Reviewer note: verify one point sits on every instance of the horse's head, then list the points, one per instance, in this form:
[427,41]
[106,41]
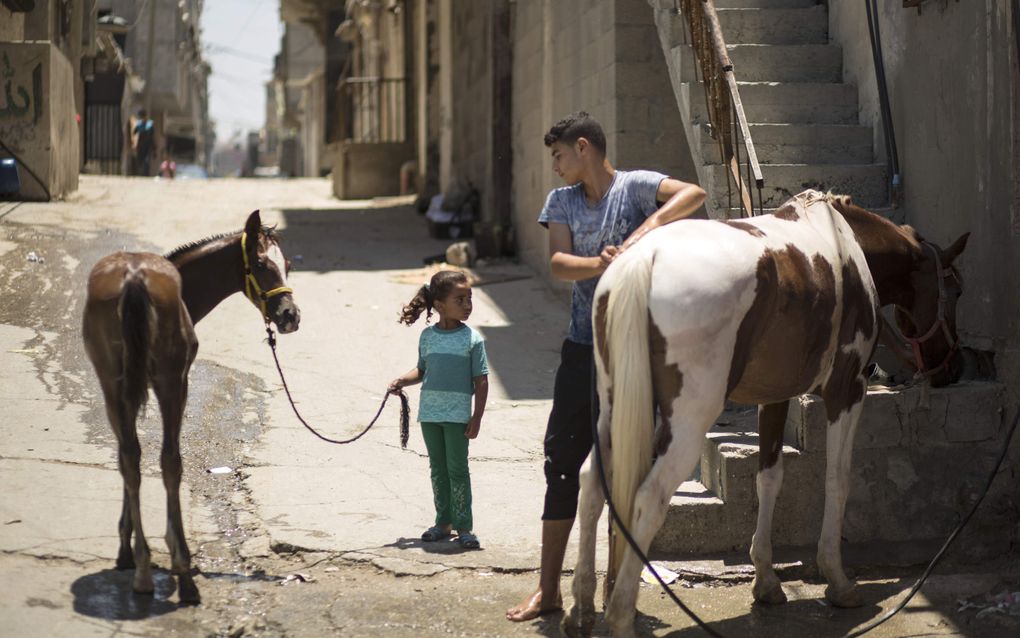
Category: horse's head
[927,316]
[266,271]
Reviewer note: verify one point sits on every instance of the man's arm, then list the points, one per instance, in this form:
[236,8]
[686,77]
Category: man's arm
[681,199]
[567,266]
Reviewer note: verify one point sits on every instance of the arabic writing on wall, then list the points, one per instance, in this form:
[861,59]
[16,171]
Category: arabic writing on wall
[21,106]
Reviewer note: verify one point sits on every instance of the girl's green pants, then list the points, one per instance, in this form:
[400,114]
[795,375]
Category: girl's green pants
[451,483]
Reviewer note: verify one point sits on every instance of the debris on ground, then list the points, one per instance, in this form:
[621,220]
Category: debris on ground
[35,257]
[223,469]
[297,578]
[668,576]
[1006,602]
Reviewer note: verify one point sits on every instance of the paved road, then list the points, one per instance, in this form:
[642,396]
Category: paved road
[348,517]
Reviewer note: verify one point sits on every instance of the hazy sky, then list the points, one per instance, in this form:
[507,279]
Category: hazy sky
[239,38]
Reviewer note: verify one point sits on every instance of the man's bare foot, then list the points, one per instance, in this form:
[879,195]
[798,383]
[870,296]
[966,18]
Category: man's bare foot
[532,607]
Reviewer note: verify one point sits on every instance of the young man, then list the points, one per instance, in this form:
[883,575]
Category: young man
[599,214]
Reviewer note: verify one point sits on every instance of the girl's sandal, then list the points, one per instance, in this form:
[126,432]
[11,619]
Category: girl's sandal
[435,533]
[468,541]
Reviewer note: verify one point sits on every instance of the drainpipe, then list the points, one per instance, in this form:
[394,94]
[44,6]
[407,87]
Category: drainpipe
[883,97]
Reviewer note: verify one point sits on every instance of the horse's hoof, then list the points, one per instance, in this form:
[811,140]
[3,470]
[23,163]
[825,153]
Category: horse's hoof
[847,599]
[771,596]
[143,584]
[188,591]
[125,562]
[574,629]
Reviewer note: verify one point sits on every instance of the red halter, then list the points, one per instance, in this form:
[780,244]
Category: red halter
[940,322]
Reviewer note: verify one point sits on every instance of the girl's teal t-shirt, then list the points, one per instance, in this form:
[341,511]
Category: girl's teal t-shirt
[449,361]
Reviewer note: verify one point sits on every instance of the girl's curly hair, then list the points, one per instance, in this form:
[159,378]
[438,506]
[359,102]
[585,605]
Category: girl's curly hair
[436,290]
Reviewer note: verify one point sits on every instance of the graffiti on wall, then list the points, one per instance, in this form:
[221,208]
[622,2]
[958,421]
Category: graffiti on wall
[21,102]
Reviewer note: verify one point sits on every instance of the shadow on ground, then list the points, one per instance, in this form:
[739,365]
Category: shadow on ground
[107,595]
[383,238]
[396,238]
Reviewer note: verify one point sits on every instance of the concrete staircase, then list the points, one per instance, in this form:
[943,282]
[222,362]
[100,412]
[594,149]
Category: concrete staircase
[804,123]
[803,117]
[898,488]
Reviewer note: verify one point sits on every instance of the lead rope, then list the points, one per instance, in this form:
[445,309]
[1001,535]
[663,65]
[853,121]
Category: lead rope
[405,410]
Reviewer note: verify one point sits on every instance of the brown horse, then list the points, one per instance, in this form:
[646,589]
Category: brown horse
[756,311]
[138,330]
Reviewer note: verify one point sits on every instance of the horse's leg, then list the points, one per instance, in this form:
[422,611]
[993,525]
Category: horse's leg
[650,504]
[172,392]
[838,449]
[125,559]
[129,460]
[581,617]
[771,419]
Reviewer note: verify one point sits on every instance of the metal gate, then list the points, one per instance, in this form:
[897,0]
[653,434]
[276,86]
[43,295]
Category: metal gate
[104,139]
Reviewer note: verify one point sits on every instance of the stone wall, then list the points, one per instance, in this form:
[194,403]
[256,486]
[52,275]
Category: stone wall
[38,123]
[952,80]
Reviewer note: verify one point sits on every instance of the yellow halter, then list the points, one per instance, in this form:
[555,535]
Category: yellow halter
[252,290]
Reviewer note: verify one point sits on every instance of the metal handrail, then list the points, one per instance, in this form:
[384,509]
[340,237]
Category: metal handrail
[725,109]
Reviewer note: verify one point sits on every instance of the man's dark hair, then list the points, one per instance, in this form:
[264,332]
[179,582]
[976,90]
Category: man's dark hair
[574,127]
[142,113]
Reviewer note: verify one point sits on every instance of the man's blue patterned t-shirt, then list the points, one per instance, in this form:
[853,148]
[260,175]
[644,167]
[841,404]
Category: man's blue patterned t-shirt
[628,202]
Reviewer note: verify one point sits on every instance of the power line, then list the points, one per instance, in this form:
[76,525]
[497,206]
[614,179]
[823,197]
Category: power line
[212,47]
[251,15]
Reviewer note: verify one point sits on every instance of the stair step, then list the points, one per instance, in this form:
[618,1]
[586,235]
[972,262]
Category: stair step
[808,25]
[743,4]
[963,412]
[789,103]
[764,4]
[866,183]
[800,144]
[773,62]
[728,459]
[697,521]
[787,62]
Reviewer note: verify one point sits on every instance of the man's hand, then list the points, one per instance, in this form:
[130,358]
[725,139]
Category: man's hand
[473,426]
[609,253]
[395,386]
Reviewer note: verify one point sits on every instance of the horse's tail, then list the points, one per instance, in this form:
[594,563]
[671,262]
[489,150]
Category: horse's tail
[135,312]
[630,377]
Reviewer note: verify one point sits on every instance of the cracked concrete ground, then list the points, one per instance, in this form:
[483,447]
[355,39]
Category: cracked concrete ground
[344,518]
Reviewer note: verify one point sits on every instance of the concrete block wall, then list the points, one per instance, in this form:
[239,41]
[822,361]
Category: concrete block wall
[600,56]
[917,469]
[953,87]
[39,126]
[12,25]
[472,97]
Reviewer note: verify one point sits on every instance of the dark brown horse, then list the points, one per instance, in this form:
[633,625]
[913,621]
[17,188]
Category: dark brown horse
[138,330]
[756,311]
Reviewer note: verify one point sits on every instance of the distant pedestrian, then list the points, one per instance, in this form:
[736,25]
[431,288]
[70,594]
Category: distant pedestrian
[452,367]
[142,140]
[168,168]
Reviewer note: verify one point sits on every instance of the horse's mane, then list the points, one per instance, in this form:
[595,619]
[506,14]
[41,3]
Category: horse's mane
[183,249]
[845,206]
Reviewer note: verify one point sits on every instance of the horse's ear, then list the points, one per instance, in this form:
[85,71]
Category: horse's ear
[954,251]
[253,225]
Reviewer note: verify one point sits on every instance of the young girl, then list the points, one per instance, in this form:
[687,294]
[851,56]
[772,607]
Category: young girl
[452,367]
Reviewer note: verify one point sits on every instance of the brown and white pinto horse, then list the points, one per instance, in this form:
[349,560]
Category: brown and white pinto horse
[758,311]
[138,330]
